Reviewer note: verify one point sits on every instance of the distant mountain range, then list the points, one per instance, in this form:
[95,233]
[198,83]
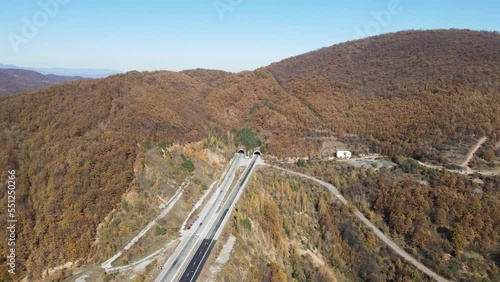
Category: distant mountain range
[88,73]
[14,81]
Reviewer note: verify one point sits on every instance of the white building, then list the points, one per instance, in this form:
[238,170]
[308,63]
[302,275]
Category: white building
[344,154]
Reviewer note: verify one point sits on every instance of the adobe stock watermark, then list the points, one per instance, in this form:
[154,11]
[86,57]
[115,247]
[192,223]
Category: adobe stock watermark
[32,25]
[224,6]
[380,20]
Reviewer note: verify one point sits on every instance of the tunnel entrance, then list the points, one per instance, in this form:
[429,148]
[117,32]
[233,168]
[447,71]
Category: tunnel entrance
[241,151]
[257,153]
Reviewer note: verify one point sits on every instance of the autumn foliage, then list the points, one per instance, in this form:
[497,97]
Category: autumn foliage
[74,145]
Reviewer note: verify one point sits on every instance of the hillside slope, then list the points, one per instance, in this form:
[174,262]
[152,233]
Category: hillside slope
[14,81]
[74,145]
[397,64]
[406,92]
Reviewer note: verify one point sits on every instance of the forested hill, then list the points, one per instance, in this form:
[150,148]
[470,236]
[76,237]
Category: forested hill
[405,91]
[73,147]
[400,64]
[14,81]
[74,143]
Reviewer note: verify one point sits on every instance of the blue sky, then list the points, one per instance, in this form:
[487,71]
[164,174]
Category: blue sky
[231,35]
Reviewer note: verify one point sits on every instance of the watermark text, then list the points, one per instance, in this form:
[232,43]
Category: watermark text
[11,221]
[381,19]
[222,7]
[31,26]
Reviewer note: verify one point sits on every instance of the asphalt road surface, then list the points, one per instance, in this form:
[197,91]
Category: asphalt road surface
[200,227]
[195,266]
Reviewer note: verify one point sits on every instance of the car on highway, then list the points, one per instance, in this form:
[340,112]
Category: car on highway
[197,235]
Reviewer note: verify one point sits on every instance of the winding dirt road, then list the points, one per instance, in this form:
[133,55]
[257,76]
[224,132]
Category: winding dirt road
[471,153]
[377,231]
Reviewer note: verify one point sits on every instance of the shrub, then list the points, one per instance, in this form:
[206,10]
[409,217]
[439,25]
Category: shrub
[410,166]
[301,162]
[187,163]
[165,144]
[246,224]
[147,145]
[248,138]
[160,231]
[125,206]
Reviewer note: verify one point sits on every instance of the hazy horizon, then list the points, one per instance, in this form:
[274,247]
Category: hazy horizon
[226,35]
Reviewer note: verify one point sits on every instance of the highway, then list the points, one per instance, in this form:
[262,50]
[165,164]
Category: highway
[201,226]
[201,255]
